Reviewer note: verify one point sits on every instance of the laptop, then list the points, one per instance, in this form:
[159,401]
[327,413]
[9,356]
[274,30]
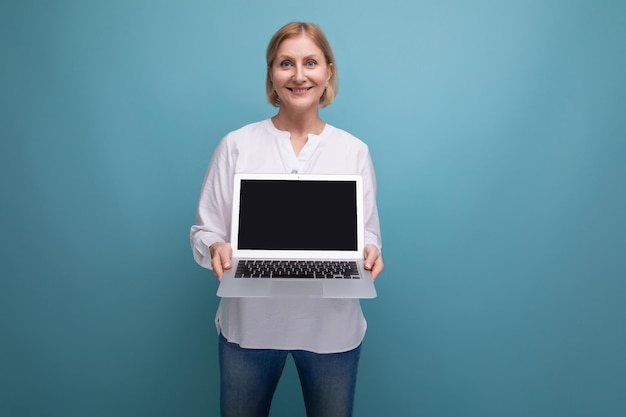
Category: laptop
[297,235]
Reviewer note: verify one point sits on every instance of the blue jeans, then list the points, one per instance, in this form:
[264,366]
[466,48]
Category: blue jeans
[249,377]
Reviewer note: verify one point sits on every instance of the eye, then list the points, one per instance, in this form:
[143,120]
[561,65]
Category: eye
[311,63]
[286,64]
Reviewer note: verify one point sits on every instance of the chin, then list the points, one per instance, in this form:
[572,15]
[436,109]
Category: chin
[300,104]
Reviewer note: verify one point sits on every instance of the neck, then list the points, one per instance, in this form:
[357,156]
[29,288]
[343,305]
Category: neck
[304,123]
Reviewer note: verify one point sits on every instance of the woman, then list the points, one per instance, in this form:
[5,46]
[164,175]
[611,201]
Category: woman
[256,334]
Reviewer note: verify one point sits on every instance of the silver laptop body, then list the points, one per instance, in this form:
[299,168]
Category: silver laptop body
[297,235]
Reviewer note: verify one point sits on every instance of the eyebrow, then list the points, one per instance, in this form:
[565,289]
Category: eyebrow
[311,56]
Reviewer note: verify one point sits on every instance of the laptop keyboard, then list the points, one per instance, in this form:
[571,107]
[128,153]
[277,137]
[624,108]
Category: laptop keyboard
[311,269]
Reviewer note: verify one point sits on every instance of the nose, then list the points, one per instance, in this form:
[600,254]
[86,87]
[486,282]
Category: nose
[299,75]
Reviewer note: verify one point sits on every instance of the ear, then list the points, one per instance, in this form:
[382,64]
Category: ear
[330,71]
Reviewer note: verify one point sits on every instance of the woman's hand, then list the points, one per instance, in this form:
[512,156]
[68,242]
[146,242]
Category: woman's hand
[373,260]
[220,258]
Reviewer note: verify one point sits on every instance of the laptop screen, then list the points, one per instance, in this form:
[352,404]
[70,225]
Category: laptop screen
[312,215]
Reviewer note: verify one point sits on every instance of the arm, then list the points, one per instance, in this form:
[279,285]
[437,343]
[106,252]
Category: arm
[212,229]
[372,251]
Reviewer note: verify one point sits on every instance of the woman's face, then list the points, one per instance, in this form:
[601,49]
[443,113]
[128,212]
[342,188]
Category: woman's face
[300,73]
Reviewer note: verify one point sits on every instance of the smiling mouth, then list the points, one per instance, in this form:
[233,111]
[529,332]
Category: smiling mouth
[299,90]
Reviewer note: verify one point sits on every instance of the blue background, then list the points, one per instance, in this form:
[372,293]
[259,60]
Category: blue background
[498,134]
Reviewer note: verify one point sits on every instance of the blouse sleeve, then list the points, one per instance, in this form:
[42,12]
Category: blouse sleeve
[370,209]
[214,208]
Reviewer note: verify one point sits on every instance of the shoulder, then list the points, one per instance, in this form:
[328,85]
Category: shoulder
[341,137]
[251,129]
[249,136]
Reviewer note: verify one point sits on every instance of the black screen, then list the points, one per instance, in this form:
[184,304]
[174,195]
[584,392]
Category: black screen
[298,215]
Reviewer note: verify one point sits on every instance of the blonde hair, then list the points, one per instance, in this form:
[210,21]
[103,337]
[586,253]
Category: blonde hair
[317,35]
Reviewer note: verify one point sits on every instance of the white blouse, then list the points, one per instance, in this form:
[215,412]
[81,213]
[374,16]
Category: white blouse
[316,325]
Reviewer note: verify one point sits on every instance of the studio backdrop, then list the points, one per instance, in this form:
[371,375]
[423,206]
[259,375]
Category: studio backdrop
[498,135]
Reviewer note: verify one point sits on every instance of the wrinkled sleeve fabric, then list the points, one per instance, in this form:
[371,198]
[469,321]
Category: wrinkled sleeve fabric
[370,208]
[215,206]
